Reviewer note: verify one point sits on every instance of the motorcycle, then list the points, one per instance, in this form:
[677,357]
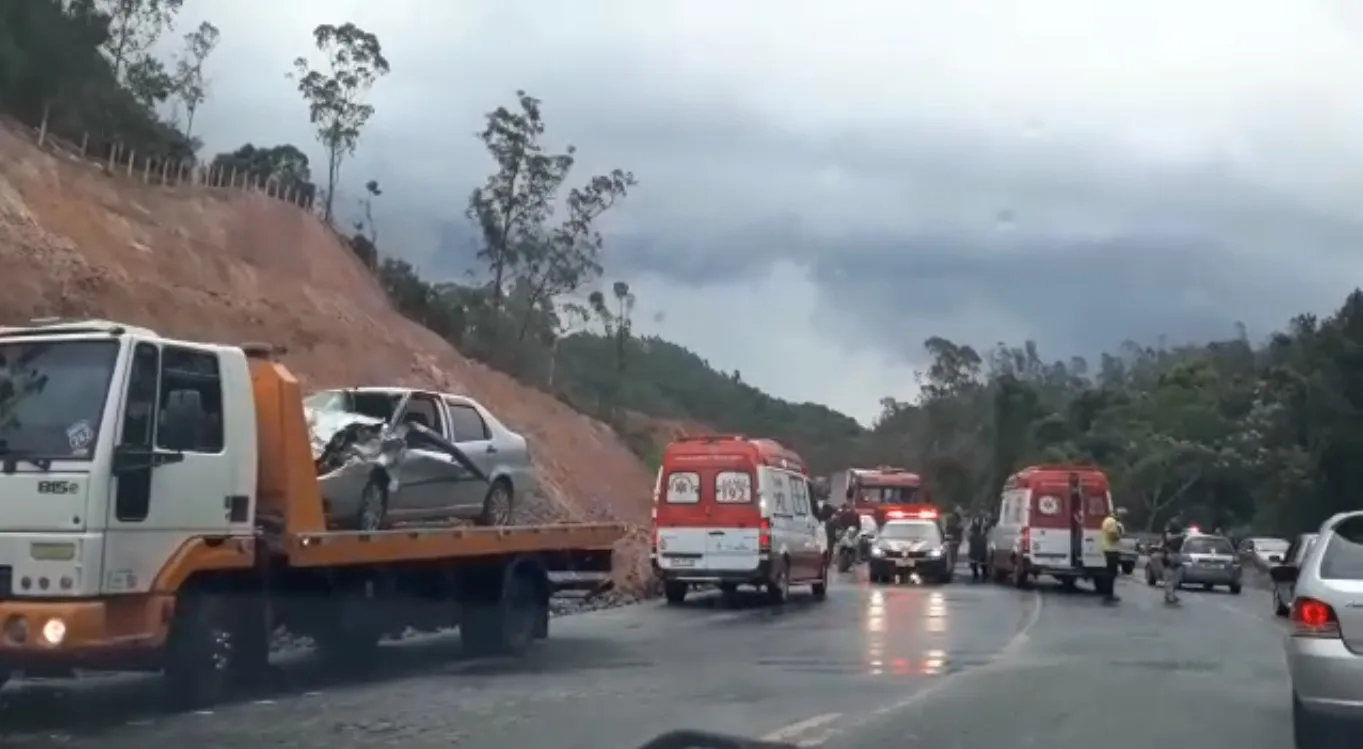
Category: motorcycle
[848,552]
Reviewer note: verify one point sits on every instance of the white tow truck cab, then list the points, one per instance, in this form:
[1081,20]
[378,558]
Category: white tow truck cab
[161,511]
[115,449]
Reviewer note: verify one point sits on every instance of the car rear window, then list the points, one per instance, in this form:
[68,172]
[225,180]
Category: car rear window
[1343,557]
[683,488]
[1204,545]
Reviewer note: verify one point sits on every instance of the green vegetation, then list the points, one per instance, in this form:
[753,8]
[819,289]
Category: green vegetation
[1225,434]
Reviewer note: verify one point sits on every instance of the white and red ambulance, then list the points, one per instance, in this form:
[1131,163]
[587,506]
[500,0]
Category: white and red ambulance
[731,510]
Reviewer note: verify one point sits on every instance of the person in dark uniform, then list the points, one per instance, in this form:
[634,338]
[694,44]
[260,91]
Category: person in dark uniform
[979,541]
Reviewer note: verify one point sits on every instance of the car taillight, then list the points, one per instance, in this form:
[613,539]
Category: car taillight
[1312,618]
[764,535]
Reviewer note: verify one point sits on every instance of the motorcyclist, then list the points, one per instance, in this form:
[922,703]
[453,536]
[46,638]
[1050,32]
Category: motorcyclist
[1171,543]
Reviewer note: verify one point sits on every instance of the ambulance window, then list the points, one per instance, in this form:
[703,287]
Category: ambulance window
[779,496]
[683,488]
[733,487]
[799,492]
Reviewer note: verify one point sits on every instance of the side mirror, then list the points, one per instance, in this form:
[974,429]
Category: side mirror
[1275,559]
[1284,573]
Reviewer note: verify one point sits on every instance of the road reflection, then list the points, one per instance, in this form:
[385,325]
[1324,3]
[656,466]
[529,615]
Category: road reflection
[905,629]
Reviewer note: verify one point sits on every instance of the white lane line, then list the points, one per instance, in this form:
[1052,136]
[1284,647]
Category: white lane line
[794,730]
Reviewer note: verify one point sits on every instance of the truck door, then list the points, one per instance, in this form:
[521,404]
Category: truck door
[173,477]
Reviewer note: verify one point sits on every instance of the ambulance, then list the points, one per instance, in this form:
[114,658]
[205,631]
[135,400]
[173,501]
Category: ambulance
[1050,518]
[730,510]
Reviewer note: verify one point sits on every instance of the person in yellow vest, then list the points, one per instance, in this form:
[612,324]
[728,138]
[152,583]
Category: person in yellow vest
[1110,542]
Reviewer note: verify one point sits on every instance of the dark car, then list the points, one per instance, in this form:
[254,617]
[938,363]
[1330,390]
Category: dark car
[1284,592]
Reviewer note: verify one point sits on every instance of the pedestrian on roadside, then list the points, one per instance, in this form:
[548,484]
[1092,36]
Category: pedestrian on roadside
[1110,542]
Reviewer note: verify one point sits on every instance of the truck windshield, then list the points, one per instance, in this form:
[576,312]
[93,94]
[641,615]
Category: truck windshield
[52,396]
[887,495]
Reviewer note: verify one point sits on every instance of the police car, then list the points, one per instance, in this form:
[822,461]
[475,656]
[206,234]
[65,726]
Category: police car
[910,548]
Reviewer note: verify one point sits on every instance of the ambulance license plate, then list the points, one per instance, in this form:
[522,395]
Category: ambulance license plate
[681,562]
[906,563]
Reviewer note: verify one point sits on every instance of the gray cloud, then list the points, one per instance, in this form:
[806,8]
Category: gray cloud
[864,177]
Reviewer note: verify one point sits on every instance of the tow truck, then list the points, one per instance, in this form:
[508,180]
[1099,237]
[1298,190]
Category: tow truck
[161,512]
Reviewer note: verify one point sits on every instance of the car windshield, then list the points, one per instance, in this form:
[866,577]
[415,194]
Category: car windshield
[1207,545]
[911,532]
[52,396]
[327,400]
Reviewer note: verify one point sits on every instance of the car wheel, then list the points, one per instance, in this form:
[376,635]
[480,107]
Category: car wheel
[675,592]
[778,589]
[498,504]
[1280,608]
[372,514]
[1235,589]
[1128,568]
[1019,574]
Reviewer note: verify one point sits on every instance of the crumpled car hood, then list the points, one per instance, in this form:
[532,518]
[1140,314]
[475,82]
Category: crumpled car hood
[324,425]
[340,438]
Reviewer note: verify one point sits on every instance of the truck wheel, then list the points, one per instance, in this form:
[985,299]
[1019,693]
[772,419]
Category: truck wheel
[498,504]
[675,592]
[1235,589]
[505,626]
[199,652]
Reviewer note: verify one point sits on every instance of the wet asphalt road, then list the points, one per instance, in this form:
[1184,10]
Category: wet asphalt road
[957,666]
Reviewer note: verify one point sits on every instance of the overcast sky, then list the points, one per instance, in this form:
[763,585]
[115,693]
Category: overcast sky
[825,184]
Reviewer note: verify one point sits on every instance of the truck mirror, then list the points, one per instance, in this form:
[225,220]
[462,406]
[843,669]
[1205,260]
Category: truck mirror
[131,459]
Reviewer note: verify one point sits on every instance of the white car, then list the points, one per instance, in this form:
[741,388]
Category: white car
[399,454]
[1325,640]
[1261,551]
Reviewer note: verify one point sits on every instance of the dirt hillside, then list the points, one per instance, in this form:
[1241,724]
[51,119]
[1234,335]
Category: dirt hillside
[235,266]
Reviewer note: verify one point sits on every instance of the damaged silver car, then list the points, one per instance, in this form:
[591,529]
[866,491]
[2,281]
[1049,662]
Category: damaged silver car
[389,455]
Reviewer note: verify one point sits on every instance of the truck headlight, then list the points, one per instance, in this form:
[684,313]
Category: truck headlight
[54,631]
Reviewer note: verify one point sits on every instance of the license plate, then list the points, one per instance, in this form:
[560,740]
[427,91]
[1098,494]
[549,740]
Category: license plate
[681,562]
[906,563]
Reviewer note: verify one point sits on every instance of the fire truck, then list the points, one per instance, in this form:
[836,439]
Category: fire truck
[883,493]
[162,512]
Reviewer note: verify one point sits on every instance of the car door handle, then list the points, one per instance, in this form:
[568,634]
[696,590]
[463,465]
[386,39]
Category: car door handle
[491,449]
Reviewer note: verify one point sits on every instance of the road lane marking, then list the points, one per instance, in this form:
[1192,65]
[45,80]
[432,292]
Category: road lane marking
[794,730]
